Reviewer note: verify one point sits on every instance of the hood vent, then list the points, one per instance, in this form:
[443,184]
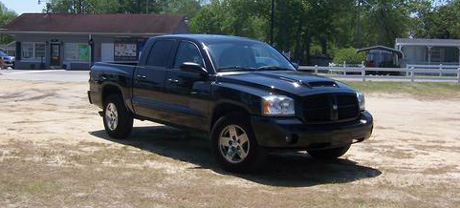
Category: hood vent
[323,84]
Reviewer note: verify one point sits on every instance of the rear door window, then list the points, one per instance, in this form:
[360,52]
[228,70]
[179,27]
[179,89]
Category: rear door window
[159,55]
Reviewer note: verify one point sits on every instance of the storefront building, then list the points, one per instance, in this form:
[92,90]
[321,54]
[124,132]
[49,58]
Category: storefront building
[76,41]
[429,51]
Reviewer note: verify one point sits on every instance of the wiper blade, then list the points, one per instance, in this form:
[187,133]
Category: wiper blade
[237,68]
[272,68]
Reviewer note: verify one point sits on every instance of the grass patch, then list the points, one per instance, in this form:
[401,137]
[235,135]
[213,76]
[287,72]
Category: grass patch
[431,90]
[38,187]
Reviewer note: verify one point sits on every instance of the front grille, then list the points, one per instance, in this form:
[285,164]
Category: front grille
[329,108]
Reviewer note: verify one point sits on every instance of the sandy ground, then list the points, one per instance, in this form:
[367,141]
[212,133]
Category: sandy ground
[54,153]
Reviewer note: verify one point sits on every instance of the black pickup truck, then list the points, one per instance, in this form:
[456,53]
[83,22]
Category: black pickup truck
[243,93]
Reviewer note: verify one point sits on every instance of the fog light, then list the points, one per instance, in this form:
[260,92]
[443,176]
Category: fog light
[291,139]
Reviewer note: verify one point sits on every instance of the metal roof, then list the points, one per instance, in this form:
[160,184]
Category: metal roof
[400,53]
[42,23]
[428,42]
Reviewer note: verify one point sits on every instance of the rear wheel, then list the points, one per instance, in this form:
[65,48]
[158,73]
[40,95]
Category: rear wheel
[234,145]
[329,154]
[118,122]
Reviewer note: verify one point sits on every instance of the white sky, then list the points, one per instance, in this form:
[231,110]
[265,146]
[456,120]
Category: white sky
[24,6]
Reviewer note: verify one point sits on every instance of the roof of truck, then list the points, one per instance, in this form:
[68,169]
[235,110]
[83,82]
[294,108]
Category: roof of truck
[209,37]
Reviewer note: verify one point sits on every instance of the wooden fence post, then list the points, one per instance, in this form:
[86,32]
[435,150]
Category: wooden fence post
[412,74]
[363,73]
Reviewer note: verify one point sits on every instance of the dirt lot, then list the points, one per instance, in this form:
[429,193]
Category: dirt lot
[53,152]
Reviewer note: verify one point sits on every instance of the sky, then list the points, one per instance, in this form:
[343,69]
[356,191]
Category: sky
[24,6]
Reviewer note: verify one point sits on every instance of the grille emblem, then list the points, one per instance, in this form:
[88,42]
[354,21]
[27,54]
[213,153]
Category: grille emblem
[334,108]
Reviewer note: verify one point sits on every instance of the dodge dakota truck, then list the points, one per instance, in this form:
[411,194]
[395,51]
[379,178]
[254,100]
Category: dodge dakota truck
[246,96]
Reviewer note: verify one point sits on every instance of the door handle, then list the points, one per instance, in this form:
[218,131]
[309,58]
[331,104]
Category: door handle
[175,81]
[140,76]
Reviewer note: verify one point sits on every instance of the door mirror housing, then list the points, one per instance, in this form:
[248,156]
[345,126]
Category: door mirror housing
[193,68]
[296,66]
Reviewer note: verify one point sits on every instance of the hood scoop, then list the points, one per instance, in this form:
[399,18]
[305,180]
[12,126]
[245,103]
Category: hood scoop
[322,84]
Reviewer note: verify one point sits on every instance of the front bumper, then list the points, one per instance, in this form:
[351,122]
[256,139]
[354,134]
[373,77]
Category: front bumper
[292,133]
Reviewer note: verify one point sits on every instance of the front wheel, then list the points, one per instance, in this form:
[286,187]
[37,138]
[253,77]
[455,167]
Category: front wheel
[234,144]
[329,154]
[118,122]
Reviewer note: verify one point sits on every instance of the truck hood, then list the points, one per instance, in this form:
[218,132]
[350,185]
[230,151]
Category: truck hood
[295,83]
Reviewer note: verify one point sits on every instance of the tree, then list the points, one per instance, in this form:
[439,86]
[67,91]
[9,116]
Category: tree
[188,8]
[84,6]
[235,17]
[185,7]
[6,16]
[435,22]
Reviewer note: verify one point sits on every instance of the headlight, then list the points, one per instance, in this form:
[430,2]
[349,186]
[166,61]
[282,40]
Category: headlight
[361,101]
[278,105]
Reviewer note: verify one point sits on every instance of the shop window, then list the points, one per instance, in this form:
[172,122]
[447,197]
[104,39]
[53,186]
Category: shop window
[125,51]
[76,52]
[40,50]
[33,51]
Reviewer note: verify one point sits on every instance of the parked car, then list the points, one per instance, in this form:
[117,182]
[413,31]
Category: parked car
[7,61]
[243,93]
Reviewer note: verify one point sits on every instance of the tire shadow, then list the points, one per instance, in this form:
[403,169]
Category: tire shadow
[285,169]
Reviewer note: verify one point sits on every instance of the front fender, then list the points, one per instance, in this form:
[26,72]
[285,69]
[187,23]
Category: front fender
[242,96]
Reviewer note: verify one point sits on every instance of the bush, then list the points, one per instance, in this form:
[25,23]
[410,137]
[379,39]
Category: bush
[315,50]
[349,56]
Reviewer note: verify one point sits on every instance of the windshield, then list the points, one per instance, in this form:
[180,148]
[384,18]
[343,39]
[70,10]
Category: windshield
[243,56]
[3,54]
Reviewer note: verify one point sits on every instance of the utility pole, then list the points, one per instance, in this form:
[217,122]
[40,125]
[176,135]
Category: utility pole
[358,27]
[147,7]
[272,22]
[138,6]
[79,7]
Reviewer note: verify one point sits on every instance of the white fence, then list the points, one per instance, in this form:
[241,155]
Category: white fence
[446,73]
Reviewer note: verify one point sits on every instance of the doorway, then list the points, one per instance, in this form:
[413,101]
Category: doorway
[55,55]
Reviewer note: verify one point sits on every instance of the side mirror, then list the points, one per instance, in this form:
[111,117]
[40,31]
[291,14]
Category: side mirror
[296,66]
[193,68]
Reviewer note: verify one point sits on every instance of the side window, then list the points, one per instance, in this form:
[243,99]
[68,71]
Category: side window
[187,52]
[159,55]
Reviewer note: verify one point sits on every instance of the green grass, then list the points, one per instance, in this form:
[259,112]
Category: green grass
[421,90]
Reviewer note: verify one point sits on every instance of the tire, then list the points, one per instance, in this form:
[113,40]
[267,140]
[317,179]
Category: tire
[329,154]
[234,145]
[118,121]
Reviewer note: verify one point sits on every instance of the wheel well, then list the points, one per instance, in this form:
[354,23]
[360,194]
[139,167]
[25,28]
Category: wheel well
[223,109]
[108,90]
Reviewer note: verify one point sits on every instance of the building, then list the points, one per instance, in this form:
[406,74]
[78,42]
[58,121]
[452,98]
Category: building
[429,51]
[75,41]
